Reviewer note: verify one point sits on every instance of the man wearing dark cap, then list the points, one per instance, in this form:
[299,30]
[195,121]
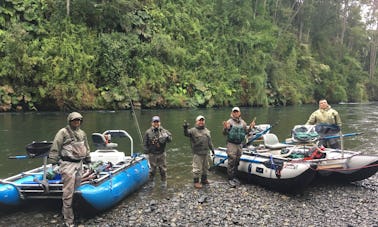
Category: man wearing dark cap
[70,149]
[235,129]
[154,142]
[201,143]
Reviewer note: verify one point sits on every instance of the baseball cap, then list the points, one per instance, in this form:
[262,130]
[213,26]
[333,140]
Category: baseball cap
[236,109]
[200,117]
[155,118]
[74,115]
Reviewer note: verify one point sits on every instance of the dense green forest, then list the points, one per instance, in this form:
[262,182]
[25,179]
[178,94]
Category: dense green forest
[105,54]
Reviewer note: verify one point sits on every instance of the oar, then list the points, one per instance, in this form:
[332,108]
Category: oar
[19,157]
[22,157]
[338,136]
[217,164]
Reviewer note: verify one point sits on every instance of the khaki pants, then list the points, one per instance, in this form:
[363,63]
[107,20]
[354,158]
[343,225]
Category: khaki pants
[200,165]
[234,152]
[158,161]
[71,176]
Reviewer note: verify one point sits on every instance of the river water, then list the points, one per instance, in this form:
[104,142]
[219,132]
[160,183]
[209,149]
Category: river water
[19,129]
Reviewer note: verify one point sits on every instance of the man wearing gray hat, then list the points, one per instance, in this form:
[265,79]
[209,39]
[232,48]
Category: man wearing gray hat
[235,129]
[70,149]
[201,143]
[154,142]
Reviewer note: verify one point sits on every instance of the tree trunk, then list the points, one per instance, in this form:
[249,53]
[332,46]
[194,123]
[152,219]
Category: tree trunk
[296,7]
[255,9]
[300,31]
[343,26]
[275,11]
[373,55]
[68,7]
[373,44]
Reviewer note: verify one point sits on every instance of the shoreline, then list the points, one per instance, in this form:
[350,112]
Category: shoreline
[322,204]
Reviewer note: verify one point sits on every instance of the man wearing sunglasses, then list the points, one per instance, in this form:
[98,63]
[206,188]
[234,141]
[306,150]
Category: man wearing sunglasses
[70,149]
[235,129]
[201,143]
[154,142]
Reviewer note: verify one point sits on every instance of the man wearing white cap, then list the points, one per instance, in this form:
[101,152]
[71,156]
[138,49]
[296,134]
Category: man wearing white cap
[235,129]
[154,142]
[201,143]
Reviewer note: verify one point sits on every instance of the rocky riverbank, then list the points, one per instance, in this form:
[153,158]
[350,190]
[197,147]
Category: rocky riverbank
[323,204]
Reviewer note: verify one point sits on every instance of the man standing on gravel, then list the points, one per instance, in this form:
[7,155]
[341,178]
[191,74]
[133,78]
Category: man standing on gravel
[235,129]
[154,142]
[200,141]
[70,148]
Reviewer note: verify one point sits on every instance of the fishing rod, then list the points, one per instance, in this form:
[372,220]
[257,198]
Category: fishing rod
[131,105]
[133,113]
[342,135]
[136,119]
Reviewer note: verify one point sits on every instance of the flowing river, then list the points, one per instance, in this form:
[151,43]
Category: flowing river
[19,129]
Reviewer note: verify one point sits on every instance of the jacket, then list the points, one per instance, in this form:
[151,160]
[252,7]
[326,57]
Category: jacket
[64,137]
[200,140]
[325,116]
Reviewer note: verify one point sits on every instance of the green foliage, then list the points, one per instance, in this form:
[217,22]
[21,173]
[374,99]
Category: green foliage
[176,53]
[372,89]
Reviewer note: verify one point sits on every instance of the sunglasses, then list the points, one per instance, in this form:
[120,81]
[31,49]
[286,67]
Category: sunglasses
[156,121]
[77,119]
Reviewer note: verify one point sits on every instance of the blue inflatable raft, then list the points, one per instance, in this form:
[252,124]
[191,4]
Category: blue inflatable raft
[106,181]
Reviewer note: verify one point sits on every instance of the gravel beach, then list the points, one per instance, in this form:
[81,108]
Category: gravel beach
[322,204]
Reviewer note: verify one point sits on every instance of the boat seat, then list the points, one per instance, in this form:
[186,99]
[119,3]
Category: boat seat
[271,141]
[100,141]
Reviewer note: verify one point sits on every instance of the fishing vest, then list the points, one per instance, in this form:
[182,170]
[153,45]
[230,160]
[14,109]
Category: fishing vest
[236,134]
[156,140]
[73,148]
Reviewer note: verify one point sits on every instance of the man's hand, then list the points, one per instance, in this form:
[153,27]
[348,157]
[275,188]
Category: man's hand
[253,123]
[185,125]
[226,124]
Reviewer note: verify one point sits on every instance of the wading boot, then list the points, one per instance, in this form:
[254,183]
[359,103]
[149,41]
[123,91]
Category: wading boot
[151,176]
[163,177]
[197,184]
[163,180]
[151,180]
[204,180]
[231,182]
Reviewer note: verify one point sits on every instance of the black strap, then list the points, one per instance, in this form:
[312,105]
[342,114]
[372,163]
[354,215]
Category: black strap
[71,133]
[68,159]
